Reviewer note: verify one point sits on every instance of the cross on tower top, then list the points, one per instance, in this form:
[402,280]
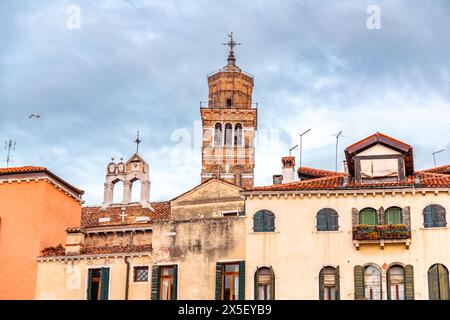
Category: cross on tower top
[231,44]
[137,141]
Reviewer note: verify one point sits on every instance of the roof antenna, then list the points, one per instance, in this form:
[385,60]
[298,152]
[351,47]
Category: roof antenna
[337,144]
[434,155]
[10,146]
[290,150]
[301,146]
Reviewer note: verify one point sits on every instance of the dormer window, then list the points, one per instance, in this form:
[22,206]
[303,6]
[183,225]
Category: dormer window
[379,158]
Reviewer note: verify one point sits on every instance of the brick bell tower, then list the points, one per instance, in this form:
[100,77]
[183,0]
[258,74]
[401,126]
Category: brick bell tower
[229,121]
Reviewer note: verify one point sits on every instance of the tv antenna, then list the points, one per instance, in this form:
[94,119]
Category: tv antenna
[337,144]
[290,149]
[301,146]
[434,155]
[10,146]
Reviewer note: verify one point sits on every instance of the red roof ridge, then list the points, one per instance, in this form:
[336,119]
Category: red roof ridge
[319,171]
[376,135]
[22,169]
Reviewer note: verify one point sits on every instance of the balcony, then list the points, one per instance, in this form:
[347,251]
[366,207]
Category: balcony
[381,234]
[224,105]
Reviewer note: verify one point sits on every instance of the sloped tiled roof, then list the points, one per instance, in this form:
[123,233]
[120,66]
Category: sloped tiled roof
[90,215]
[445,169]
[420,179]
[60,251]
[309,173]
[24,169]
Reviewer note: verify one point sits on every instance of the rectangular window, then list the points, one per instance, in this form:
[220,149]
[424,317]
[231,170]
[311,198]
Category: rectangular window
[230,281]
[98,284]
[230,213]
[140,274]
[166,280]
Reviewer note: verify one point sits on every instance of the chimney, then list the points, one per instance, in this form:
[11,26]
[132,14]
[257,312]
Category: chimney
[288,169]
[74,241]
[345,173]
[277,179]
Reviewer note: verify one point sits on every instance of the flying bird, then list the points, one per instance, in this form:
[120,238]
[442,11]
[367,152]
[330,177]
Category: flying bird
[34,116]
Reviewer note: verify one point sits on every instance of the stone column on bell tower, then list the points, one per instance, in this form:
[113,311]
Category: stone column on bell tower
[229,120]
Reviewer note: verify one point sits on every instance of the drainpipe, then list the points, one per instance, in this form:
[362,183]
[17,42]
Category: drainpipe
[127,280]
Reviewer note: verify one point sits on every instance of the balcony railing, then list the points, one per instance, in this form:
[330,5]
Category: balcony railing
[223,105]
[398,233]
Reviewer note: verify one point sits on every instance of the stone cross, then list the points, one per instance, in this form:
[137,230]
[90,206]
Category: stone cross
[122,216]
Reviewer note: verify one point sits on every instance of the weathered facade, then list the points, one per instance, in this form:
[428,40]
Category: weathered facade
[378,231]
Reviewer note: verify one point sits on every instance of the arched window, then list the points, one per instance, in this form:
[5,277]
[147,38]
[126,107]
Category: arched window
[228,134]
[229,103]
[329,283]
[136,191]
[396,283]
[368,216]
[117,192]
[372,283]
[238,135]
[393,215]
[438,286]
[327,220]
[264,221]
[434,216]
[264,284]
[218,134]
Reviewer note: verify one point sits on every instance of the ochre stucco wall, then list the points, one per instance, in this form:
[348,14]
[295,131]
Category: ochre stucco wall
[297,252]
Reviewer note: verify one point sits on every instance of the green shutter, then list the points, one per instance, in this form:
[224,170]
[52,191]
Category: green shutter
[256,280]
[104,284]
[359,282]
[443,282]
[89,287]
[393,216]
[368,216]
[155,282]
[241,280]
[409,282]
[321,297]
[175,282]
[272,284]
[219,281]
[337,283]
[433,283]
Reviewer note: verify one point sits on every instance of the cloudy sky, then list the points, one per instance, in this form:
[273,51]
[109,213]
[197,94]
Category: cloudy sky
[141,64]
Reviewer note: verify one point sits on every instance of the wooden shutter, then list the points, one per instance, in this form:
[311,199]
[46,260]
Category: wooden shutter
[433,283]
[443,282]
[256,280]
[258,221]
[241,280]
[333,221]
[175,282]
[104,284]
[429,217]
[409,282]
[269,221]
[321,284]
[359,282]
[338,283]
[272,284]
[381,216]
[219,280]
[440,216]
[406,217]
[89,286]
[355,217]
[321,221]
[155,282]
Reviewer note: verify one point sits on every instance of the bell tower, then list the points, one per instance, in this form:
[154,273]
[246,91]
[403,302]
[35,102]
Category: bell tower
[229,121]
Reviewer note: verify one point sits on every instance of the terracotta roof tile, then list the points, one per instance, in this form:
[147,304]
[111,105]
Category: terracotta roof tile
[445,169]
[308,173]
[60,251]
[23,169]
[420,179]
[90,215]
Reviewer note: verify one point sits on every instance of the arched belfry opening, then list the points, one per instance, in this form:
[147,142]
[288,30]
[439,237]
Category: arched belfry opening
[135,177]
[229,121]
